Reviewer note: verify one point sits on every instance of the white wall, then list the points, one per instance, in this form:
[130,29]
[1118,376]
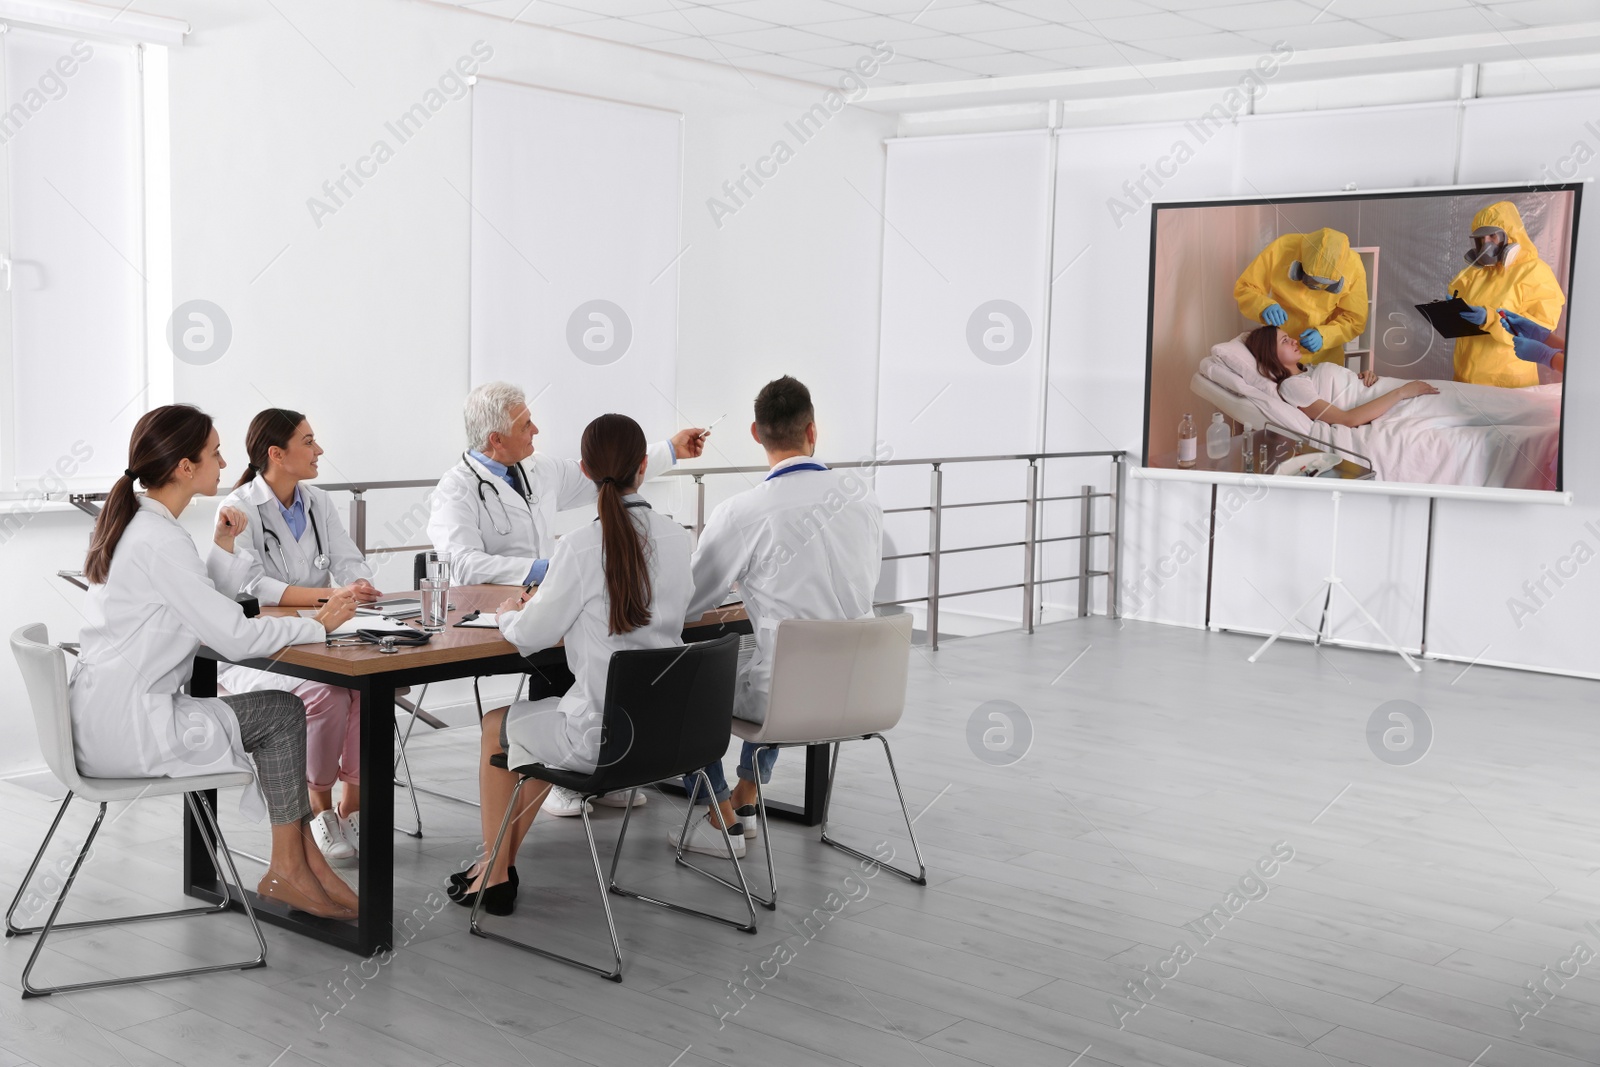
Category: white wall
[368,313]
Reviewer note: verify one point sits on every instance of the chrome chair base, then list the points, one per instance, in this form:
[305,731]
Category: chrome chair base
[221,857]
[607,883]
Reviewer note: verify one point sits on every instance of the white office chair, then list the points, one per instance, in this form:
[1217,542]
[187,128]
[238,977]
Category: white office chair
[44,671]
[834,681]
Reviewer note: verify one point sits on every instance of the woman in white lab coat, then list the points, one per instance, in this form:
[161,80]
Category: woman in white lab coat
[622,582]
[297,548]
[151,604]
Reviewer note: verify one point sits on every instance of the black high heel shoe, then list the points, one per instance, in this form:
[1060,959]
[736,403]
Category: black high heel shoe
[498,899]
[459,880]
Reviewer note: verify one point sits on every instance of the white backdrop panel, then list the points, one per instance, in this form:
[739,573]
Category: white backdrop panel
[1508,584]
[575,210]
[1100,302]
[1371,148]
[959,371]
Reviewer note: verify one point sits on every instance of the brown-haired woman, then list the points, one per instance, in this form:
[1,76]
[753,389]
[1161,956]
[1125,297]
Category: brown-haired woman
[151,604]
[1326,392]
[622,582]
[298,548]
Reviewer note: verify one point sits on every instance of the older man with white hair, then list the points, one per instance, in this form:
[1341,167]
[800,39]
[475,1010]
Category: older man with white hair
[494,511]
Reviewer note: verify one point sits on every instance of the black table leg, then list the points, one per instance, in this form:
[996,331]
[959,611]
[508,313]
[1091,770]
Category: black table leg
[198,869]
[376,924]
[816,783]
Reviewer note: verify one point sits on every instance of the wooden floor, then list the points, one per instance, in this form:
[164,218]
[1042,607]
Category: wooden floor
[1419,900]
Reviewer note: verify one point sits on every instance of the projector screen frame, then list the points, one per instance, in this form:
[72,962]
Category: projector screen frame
[1559,496]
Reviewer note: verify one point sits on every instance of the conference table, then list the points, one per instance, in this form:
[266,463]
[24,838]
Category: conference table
[457,652]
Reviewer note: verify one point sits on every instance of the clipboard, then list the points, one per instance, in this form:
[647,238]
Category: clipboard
[1445,317]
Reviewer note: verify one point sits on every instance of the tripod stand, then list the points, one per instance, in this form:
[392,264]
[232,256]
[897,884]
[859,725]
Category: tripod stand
[1329,584]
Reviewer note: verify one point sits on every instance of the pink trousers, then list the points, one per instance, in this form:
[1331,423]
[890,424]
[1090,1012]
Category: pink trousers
[333,734]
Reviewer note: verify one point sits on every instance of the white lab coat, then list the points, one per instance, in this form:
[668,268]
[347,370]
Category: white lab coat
[271,566]
[158,604]
[806,545]
[572,604]
[496,538]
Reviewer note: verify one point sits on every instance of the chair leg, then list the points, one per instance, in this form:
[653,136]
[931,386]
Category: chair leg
[219,855]
[921,877]
[615,974]
[410,788]
[743,887]
[13,930]
[770,902]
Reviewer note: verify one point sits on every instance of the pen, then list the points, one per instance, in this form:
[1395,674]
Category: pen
[707,431]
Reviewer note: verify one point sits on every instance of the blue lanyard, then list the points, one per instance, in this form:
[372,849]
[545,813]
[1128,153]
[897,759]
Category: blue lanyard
[796,467]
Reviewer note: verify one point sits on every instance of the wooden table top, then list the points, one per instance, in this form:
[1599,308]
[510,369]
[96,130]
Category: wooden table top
[454,645]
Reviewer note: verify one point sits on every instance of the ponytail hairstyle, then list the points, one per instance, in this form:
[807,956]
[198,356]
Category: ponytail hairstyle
[161,439]
[272,428]
[613,448]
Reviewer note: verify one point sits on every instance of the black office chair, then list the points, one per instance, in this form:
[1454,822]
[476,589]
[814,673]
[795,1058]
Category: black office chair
[668,712]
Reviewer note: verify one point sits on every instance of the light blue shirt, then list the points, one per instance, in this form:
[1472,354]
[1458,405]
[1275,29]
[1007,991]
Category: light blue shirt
[295,514]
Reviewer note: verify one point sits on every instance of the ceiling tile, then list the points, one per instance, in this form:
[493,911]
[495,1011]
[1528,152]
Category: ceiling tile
[869,29]
[788,66]
[838,58]
[1549,12]
[974,17]
[538,13]
[1034,38]
[1364,9]
[1203,46]
[903,8]
[947,46]
[779,39]
[1262,15]
[790,12]
[629,31]
[1006,64]
[700,21]
[1101,55]
[596,9]
[1076,10]
[705,48]
[1411,27]
[920,72]
[1138,27]
[1328,33]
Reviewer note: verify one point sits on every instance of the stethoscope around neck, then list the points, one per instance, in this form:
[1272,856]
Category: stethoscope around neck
[505,515]
[320,561]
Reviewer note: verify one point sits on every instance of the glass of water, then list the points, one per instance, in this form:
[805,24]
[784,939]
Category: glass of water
[434,594]
[437,566]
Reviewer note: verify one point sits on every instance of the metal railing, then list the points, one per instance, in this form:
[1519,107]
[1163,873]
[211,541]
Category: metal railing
[1030,542]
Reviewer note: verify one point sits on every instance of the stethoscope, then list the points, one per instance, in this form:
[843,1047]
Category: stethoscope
[320,561]
[483,483]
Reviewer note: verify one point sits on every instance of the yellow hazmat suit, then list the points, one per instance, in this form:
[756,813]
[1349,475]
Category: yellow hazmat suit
[1525,284]
[1325,253]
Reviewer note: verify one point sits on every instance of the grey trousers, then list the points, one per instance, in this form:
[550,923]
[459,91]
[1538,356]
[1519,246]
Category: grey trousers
[272,725]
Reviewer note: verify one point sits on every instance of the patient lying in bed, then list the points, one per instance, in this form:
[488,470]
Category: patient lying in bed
[1435,432]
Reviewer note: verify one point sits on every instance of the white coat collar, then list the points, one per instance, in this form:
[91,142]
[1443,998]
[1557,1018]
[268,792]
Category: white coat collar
[501,486]
[156,507]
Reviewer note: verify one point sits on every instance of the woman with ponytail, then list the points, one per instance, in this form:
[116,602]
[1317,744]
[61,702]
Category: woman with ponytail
[152,603]
[297,548]
[622,582]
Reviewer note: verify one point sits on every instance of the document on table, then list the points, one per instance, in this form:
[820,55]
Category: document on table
[485,621]
[365,622]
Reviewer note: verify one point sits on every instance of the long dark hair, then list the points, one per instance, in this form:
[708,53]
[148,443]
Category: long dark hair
[613,447]
[1263,344]
[161,439]
[272,428]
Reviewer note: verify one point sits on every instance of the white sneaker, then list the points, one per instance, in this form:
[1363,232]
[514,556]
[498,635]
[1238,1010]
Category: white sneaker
[750,819]
[563,802]
[328,832]
[352,830]
[619,799]
[708,840]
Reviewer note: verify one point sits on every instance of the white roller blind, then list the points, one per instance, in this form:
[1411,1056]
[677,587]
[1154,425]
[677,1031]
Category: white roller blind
[574,253]
[75,336]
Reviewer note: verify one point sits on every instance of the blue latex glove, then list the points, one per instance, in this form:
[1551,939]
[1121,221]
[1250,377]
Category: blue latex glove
[1519,326]
[1533,351]
[1476,315]
[1311,340]
[536,572]
[1274,315]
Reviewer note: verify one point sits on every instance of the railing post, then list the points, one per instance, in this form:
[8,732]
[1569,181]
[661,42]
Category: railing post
[1114,545]
[358,519]
[935,515]
[1085,548]
[699,506]
[1029,544]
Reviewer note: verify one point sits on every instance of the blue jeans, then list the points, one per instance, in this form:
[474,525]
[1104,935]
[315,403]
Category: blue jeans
[747,772]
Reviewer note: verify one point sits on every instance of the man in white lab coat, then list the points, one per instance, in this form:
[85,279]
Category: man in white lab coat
[804,543]
[494,511]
